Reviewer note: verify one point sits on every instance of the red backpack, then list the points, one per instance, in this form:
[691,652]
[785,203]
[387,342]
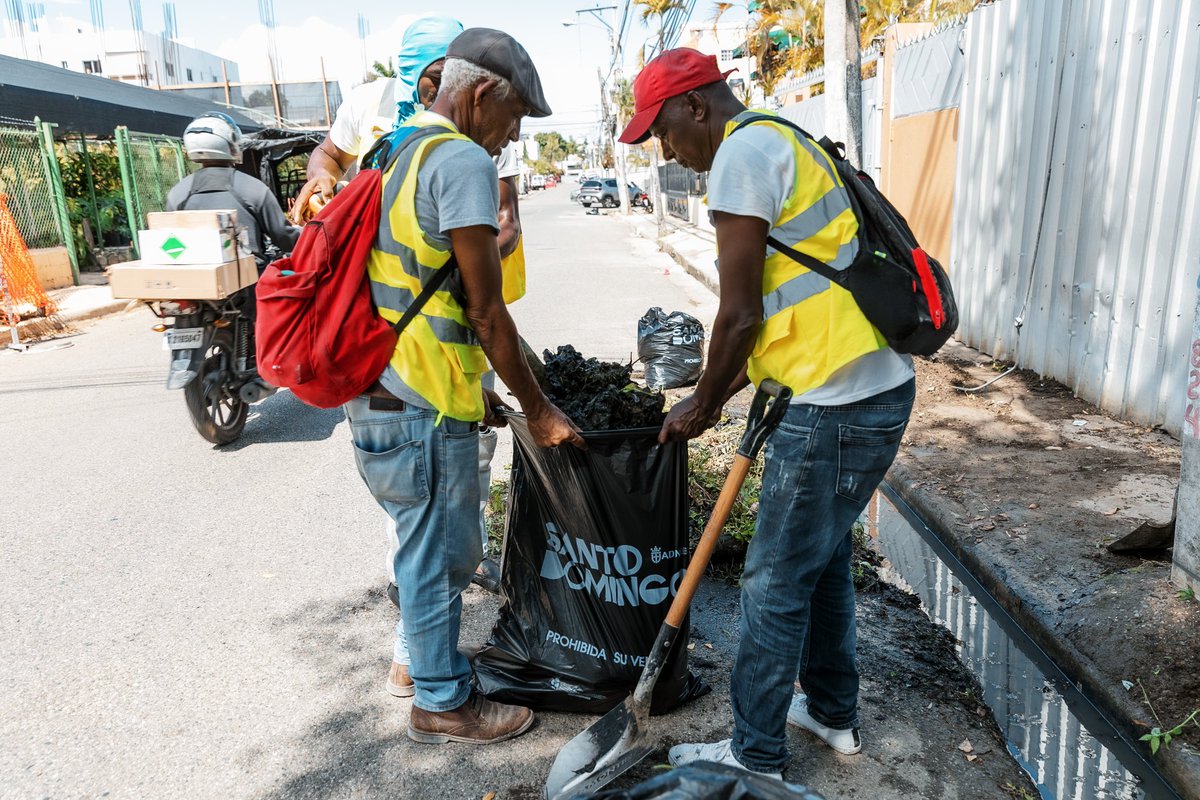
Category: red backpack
[317,331]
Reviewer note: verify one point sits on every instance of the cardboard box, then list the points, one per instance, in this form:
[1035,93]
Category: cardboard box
[192,246]
[141,281]
[204,220]
[53,265]
[247,270]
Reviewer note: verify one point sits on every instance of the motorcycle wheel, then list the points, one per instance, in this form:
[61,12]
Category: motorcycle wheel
[218,413]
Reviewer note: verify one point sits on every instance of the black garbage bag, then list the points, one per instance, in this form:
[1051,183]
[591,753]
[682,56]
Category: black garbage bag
[671,347]
[704,780]
[594,549]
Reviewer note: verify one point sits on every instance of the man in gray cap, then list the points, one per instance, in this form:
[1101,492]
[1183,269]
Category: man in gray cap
[416,431]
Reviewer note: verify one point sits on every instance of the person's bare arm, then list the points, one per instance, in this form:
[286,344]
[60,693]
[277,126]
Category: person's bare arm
[510,217]
[326,165]
[742,243]
[479,261]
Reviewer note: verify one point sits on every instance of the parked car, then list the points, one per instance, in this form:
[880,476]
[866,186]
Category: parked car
[537,182]
[577,192]
[604,193]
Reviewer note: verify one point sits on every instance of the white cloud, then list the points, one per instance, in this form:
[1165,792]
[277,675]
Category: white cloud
[302,46]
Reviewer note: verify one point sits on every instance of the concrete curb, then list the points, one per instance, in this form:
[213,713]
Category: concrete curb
[684,248]
[1180,767]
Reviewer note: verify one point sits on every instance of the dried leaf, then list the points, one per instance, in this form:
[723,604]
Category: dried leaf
[490,796]
[971,757]
[1110,513]
[966,746]
[991,526]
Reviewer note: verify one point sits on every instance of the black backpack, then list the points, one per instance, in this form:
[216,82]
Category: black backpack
[901,289]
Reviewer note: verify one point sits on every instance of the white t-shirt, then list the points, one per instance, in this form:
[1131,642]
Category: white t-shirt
[752,176]
[369,111]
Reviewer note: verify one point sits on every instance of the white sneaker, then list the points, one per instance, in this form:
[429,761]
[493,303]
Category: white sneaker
[718,752]
[844,740]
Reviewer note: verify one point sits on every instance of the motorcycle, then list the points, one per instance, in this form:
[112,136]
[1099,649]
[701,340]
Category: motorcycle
[212,359]
[642,200]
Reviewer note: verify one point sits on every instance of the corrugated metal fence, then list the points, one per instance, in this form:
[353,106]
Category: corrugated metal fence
[1077,195]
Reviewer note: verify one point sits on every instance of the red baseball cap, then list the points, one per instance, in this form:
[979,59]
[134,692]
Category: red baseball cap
[670,74]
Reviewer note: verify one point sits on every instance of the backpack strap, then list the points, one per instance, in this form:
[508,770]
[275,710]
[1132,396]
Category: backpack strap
[382,156]
[816,265]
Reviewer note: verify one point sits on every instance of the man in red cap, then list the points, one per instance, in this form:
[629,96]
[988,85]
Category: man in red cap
[852,396]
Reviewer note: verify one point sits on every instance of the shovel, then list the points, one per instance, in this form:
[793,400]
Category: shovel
[621,738]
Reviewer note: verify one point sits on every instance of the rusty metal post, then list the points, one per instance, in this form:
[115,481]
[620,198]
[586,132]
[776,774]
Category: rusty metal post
[325,94]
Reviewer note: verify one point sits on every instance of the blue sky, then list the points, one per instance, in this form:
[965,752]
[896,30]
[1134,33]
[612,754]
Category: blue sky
[566,58]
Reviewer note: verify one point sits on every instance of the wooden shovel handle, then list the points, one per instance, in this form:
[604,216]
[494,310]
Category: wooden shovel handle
[708,540]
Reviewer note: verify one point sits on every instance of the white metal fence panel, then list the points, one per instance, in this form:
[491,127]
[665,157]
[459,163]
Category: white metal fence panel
[1078,185]
[927,74]
[810,115]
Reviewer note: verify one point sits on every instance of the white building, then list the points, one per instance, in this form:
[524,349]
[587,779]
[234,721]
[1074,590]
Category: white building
[142,58]
[726,41]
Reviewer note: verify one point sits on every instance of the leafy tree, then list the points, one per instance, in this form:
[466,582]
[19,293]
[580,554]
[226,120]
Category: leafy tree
[108,211]
[788,36]
[553,147]
[379,69]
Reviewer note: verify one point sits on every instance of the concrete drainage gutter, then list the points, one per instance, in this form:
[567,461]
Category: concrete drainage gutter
[1176,765]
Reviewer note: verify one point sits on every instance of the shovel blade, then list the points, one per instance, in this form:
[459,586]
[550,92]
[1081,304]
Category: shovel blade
[600,754]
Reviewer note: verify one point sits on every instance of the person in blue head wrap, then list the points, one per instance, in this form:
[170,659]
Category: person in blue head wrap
[376,108]
[419,63]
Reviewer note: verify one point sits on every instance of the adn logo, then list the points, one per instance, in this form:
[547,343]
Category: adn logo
[173,247]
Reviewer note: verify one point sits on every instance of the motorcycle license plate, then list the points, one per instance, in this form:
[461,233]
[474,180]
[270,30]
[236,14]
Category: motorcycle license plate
[185,338]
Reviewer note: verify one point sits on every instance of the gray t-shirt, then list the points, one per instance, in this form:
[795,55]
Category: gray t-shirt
[457,187]
[752,176]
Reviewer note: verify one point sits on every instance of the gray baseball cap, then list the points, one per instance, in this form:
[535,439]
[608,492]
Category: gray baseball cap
[502,54]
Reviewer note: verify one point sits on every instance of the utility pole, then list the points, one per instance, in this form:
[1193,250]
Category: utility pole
[843,76]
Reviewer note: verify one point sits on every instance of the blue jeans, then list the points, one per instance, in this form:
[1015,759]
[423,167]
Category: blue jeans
[426,478]
[822,465]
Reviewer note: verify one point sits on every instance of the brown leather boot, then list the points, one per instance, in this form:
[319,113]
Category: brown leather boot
[477,721]
[399,684]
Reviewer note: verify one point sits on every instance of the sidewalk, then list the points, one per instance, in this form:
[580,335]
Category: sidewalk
[90,299]
[1026,485]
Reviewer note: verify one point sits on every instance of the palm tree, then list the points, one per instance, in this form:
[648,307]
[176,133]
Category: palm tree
[782,36]
[382,70]
[660,9]
[788,36]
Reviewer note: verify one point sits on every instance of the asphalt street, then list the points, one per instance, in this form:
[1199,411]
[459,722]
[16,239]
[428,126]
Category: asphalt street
[181,620]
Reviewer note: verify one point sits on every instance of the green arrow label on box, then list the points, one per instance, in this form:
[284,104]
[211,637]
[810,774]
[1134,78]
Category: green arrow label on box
[173,247]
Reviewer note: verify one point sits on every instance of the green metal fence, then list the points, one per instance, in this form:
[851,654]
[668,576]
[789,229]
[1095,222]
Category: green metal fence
[150,166]
[29,175]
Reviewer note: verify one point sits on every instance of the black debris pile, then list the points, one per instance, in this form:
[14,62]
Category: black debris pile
[599,395]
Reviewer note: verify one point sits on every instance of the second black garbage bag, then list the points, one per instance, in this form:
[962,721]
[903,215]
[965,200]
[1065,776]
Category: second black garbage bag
[595,545]
[671,348]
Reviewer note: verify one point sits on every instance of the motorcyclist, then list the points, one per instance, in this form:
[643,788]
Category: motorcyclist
[213,140]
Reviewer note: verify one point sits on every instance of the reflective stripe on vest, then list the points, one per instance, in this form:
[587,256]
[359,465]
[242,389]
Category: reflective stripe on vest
[811,327]
[438,355]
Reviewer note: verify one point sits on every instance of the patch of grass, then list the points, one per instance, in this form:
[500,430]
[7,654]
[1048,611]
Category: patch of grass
[1018,792]
[709,460]
[1186,594]
[495,516]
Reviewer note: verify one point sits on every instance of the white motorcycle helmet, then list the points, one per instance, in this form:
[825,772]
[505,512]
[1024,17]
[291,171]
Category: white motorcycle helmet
[213,137]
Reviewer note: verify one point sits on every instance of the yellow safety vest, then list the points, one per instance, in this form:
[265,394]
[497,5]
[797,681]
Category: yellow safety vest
[811,327]
[512,269]
[438,355]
